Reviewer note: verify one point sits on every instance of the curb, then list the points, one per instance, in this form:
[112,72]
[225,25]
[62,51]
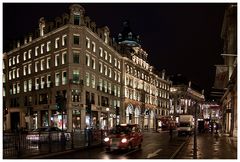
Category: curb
[179,149]
[60,153]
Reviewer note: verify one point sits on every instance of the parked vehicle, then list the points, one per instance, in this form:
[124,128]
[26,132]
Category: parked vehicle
[186,125]
[124,136]
[45,134]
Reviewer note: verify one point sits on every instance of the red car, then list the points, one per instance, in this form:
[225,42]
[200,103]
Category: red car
[124,136]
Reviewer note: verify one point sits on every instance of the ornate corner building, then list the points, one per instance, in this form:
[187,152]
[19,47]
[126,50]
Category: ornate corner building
[102,81]
[184,97]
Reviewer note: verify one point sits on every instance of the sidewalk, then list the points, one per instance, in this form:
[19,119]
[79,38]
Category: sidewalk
[210,146]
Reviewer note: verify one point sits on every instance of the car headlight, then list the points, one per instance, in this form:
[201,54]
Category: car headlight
[106,139]
[124,140]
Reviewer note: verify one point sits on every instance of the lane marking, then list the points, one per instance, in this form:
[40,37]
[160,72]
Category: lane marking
[155,153]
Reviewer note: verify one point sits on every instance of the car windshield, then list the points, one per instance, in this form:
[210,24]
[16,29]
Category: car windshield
[120,130]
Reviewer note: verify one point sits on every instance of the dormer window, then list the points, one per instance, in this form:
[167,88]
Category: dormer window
[119,36]
[130,35]
[105,37]
[77,19]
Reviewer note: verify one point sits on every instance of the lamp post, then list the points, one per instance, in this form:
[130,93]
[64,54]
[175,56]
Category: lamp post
[107,109]
[195,132]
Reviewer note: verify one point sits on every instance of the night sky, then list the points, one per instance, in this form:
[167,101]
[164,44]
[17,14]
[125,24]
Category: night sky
[181,38]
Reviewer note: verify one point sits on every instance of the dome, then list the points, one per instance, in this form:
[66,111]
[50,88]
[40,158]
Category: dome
[127,36]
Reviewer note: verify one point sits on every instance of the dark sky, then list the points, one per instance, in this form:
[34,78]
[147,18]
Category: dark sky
[178,37]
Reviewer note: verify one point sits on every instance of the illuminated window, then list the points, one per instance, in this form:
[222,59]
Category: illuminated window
[64,78]
[42,82]
[17,72]
[110,58]
[57,79]
[25,86]
[119,79]
[93,81]
[87,42]
[64,58]
[119,65]
[18,87]
[64,40]
[93,47]
[17,58]
[57,60]
[100,67]
[119,91]
[76,76]
[13,60]
[109,88]
[100,52]
[13,76]
[42,48]
[87,60]
[100,84]
[30,85]
[48,62]
[10,62]
[24,70]
[10,75]
[109,72]
[29,68]
[36,50]
[57,42]
[29,54]
[115,62]
[48,46]
[87,79]
[36,83]
[105,86]
[24,56]
[105,55]
[42,65]
[48,80]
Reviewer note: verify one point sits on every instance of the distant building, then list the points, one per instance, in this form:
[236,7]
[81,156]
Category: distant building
[185,97]
[102,82]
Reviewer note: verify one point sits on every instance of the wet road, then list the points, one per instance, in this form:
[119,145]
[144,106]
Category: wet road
[209,146]
[155,146]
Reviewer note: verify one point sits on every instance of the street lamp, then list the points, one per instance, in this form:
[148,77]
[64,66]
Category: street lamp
[107,109]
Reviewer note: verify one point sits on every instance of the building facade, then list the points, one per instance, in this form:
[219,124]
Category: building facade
[145,90]
[74,59]
[186,98]
[229,98]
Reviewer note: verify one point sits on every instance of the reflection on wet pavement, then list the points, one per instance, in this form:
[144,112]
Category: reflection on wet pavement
[209,146]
